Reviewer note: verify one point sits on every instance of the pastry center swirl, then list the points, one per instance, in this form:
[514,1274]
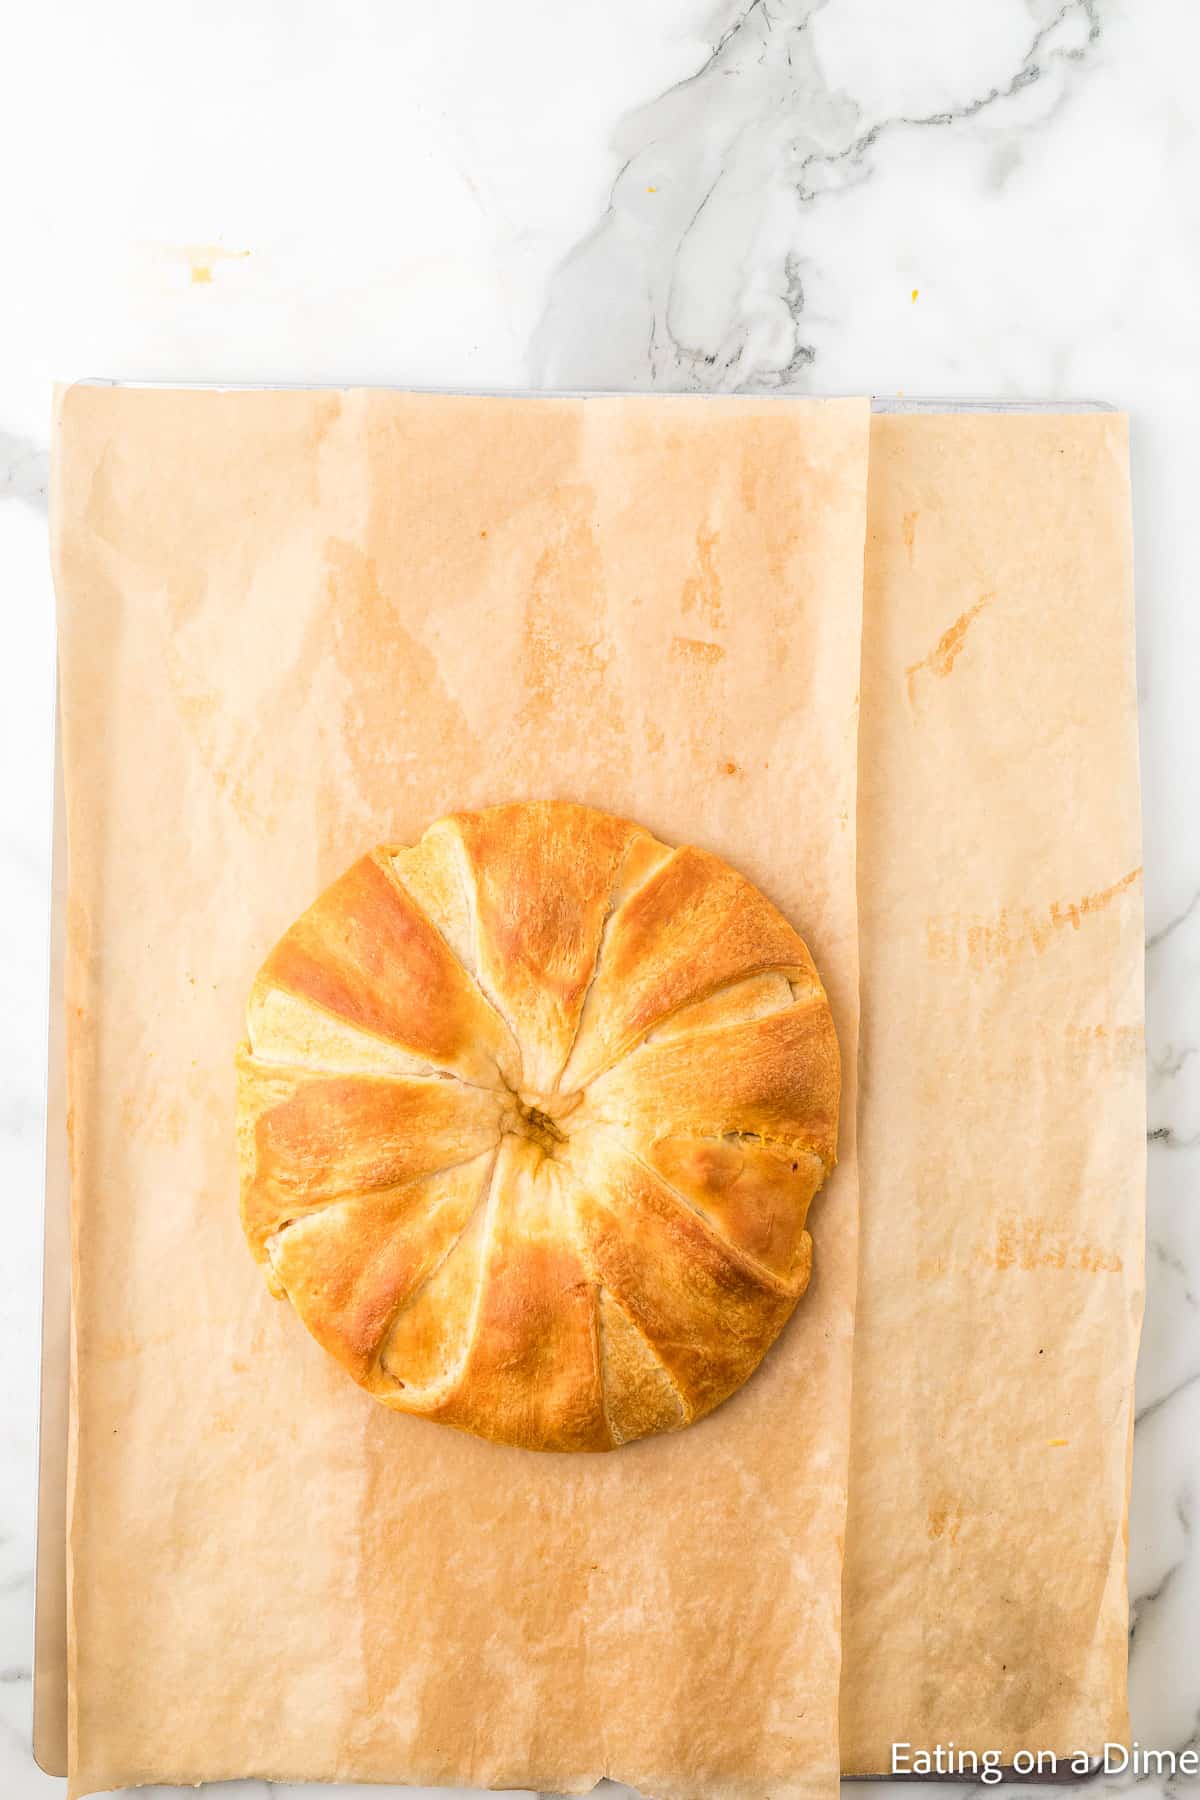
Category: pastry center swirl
[539,1117]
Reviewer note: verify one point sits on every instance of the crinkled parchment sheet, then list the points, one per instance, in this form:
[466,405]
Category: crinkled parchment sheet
[1002,1116]
[294,625]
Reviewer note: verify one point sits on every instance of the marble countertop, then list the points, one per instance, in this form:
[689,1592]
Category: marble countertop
[803,196]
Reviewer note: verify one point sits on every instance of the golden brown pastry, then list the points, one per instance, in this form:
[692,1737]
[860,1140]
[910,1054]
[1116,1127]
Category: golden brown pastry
[530,1117]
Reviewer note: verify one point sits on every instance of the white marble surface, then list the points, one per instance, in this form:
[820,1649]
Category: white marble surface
[944,197]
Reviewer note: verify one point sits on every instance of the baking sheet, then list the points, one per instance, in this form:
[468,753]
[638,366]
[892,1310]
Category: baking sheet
[50,1660]
[669,1614]
[50,1596]
[1002,1128]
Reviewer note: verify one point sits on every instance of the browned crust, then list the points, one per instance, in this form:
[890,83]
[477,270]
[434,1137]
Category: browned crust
[639,1394]
[308,1141]
[695,926]
[365,952]
[776,1078]
[531,1370]
[349,1268]
[756,1196]
[541,876]
[706,1316]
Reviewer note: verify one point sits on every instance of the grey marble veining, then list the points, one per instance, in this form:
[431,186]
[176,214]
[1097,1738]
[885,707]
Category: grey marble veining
[24,470]
[695,276]
[785,195]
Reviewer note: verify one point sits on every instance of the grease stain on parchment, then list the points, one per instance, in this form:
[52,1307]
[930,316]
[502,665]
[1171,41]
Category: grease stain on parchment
[1019,1241]
[702,591]
[153,1115]
[946,652]
[981,941]
[1071,912]
[389,678]
[227,721]
[908,533]
[697,651]
[121,1346]
[570,682]
[751,476]
[1106,1046]
[213,734]
[944,1521]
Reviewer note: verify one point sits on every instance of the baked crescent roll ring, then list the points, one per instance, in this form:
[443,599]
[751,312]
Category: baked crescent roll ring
[530,1117]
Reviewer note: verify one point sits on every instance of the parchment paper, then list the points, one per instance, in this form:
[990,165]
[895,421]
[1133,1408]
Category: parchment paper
[292,626]
[1002,1129]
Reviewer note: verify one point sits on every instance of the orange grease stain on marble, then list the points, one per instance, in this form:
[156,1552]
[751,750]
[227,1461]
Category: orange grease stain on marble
[202,259]
[947,650]
[982,941]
